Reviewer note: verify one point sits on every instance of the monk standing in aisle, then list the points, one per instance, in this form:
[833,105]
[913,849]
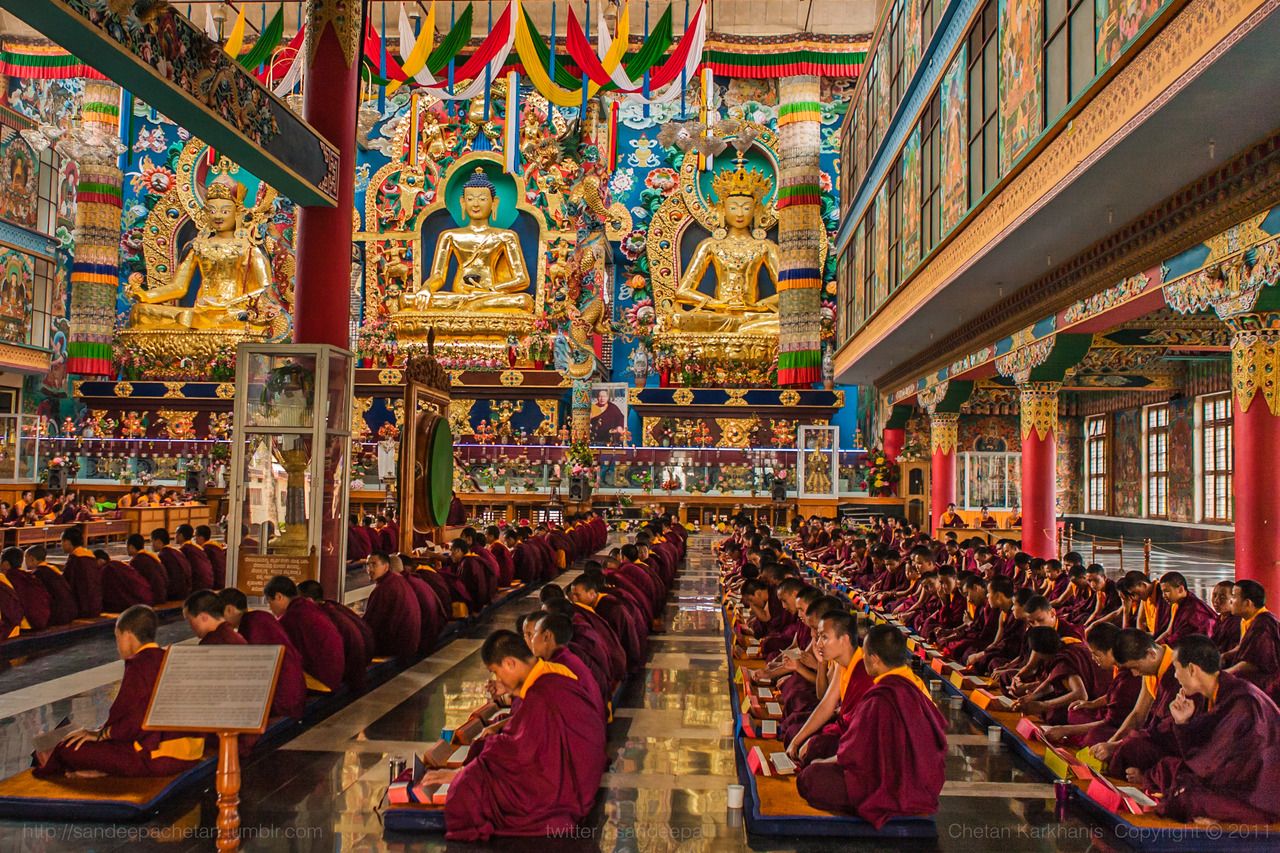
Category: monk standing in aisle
[892,756]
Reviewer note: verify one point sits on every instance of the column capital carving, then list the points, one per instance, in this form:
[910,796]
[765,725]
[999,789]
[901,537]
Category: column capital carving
[944,432]
[1255,359]
[1039,408]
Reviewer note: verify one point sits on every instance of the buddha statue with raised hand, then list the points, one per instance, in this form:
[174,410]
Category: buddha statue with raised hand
[491,274]
[234,272]
[736,251]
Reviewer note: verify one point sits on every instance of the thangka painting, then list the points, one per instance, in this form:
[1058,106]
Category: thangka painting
[882,244]
[882,90]
[1118,22]
[955,134]
[911,203]
[17,273]
[860,308]
[1126,463]
[1020,112]
[19,173]
[911,47]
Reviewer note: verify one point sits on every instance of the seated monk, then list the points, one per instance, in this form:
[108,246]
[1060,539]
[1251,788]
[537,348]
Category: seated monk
[1226,762]
[205,614]
[149,566]
[477,582]
[594,642]
[313,635]
[63,605]
[1255,654]
[1187,613]
[540,774]
[122,585]
[1069,675]
[83,574]
[217,554]
[201,567]
[588,592]
[37,606]
[501,553]
[1146,734]
[892,756]
[357,636]
[12,616]
[358,546]
[392,611]
[176,567]
[802,677]
[1226,627]
[837,641]
[1095,720]
[433,616]
[548,636]
[951,518]
[261,628]
[121,747]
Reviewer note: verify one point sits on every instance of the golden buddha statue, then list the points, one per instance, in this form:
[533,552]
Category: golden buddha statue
[491,275]
[736,251]
[234,273]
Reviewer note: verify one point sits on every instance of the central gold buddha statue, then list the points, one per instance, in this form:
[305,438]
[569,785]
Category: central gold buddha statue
[491,275]
[234,273]
[737,252]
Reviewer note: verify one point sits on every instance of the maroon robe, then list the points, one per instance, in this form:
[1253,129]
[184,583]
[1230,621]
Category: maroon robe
[612,610]
[37,604]
[1145,746]
[11,614]
[149,566]
[260,628]
[1192,616]
[562,548]
[824,744]
[1122,695]
[478,581]
[593,638]
[1226,632]
[540,774]
[358,545]
[647,580]
[441,586]
[357,642]
[84,576]
[178,572]
[891,758]
[975,635]
[586,676]
[128,751]
[1210,774]
[217,554]
[506,563]
[123,586]
[316,639]
[393,612]
[948,616]
[495,571]
[1260,646]
[432,616]
[62,600]
[1073,659]
[223,635]
[1005,649]
[201,567]
[547,568]
[526,564]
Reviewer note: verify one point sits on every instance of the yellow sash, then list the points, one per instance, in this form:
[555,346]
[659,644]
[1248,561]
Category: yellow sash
[1151,682]
[541,668]
[847,674]
[905,672]
[1245,623]
[82,552]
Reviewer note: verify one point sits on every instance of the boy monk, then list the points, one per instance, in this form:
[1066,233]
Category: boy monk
[216,552]
[539,775]
[202,576]
[122,585]
[260,628]
[121,747]
[83,574]
[313,635]
[149,566]
[357,636]
[837,643]
[176,567]
[892,756]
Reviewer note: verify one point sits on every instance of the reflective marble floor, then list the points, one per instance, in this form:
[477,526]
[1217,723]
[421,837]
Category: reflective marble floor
[664,790]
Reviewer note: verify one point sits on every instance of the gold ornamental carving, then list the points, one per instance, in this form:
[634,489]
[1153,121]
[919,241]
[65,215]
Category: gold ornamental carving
[735,432]
[944,432]
[1039,409]
[511,378]
[1255,361]
[789,397]
[390,376]
[123,389]
[682,397]
[344,16]
[550,418]
[460,416]
[225,390]
[173,389]
[359,408]
[736,396]
[169,346]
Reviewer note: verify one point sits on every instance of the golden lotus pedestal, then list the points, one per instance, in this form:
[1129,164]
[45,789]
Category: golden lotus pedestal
[169,346]
[719,348]
[461,334]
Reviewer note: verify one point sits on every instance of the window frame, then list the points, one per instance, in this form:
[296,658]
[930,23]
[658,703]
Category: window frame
[1097,455]
[1216,440]
[930,175]
[983,104]
[1155,456]
[1063,32]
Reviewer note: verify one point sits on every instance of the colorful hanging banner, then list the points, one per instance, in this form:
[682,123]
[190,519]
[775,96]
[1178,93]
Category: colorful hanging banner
[41,62]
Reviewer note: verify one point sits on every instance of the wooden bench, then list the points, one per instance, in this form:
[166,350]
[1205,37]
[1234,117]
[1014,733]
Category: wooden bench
[106,529]
[44,534]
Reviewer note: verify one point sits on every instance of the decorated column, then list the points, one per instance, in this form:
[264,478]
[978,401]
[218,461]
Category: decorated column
[1039,415]
[944,435]
[95,146]
[1255,433]
[800,231]
[894,437]
[331,95]
[580,409]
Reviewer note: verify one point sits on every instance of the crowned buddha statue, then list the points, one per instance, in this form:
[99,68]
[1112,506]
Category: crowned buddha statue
[234,272]
[491,275]
[736,252]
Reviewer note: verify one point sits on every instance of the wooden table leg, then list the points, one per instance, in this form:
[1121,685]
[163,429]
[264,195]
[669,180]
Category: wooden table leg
[228,786]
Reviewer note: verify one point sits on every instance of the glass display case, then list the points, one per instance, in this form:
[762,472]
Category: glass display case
[819,458]
[290,466]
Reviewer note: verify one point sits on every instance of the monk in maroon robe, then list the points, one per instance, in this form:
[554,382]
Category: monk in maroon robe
[357,636]
[501,553]
[150,567]
[1187,614]
[261,628]
[1226,765]
[37,606]
[547,567]
[1096,720]
[122,585]
[548,636]
[820,736]
[1068,675]
[892,756]
[441,586]
[432,616]
[593,639]
[83,574]
[980,626]
[539,776]
[358,545]
[1255,654]
[312,633]
[217,554]
[12,617]
[1146,734]
[121,747]
[392,611]
[523,558]
[197,559]
[62,599]
[588,592]
[176,567]
[475,575]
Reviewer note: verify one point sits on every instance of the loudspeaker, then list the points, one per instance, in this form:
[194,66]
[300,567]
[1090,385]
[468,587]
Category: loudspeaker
[779,492]
[579,489]
[57,479]
[195,481]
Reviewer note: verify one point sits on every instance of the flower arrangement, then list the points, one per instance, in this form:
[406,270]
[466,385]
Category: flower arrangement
[879,475]
[581,459]
[472,362]
[389,431]
[58,462]
[376,341]
[223,366]
[663,432]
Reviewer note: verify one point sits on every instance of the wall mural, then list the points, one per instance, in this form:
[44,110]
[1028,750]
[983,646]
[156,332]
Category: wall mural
[1070,465]
[989,434]
[1118,22]
[19,180]
[1021,117]
[17,276]
[1126,479]
[955,134]
[911,203]
[1181,484]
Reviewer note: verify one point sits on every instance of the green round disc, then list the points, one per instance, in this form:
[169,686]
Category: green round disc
[440,476]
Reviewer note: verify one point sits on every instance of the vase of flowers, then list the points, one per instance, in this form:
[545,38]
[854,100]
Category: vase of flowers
[376,343]
[879,475]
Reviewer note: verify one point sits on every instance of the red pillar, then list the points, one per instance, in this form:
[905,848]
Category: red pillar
[943,438]
[894,441]
[1039,409]
[1255,432]
[323,282]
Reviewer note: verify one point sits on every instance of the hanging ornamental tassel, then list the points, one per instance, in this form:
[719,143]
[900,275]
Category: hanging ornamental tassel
[613,135]
[413,129]
[511,140]
[704,113]
[551,62]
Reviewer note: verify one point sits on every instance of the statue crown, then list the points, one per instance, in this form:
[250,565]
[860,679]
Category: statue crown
[225,187]
[741,181]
